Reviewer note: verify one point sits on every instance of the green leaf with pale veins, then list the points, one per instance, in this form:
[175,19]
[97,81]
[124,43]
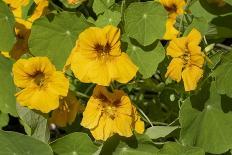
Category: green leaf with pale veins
[109,18]
[7,89]
[7,23]
[147,58]
[178,149]
[100,6]
[74,143]
[55,39]
[209,129]
[35,124]
[145,21]
[12,143]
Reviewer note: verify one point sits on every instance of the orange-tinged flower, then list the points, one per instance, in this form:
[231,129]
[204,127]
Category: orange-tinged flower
[41,84]
[97,57]
[174,8]
[67,111]
[23,27]
[109,113]
[187,60]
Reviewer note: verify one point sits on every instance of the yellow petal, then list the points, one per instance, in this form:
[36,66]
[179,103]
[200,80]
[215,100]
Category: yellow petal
[176,47]
[113,38]
[123,125]
[38,99]
[122,69]
[92,113]
[171,31]
[191,75]
[194,37]
[175,69]
[58,84]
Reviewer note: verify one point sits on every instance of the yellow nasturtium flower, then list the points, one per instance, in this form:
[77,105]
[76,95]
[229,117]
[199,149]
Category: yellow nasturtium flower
[67,111]
[16,3]
[174,8]
[42,86]
[109,113]
[97,57]
[187,60]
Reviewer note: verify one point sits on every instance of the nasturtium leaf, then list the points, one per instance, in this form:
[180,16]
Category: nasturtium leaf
[7,88]
[178,149]
[209,129]
[55,39]
[222,75]
[28,9]
[147,58]
[12,143]
[145,21]
[74,143]
[7,22]
[108,18]
[198,23]
[4,119]
[35,124]
[100,6]
[160,131]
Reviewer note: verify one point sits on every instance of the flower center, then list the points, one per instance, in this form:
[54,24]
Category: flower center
[172,8]
[186,57]
[110,110]
[102,50]
[39,78]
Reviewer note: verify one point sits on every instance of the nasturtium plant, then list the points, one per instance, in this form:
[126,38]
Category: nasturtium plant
[120,77]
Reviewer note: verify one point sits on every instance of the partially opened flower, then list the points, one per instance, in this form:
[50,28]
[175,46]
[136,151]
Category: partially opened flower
[187,60]
[42,86]
[174,8]
[67,111]
[97,57]
[109,113]
[23,27]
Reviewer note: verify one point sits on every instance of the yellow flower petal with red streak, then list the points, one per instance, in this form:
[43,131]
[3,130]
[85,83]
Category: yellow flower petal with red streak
[191,76]
[109,113]
[41,84]
[187,60]
[97,57]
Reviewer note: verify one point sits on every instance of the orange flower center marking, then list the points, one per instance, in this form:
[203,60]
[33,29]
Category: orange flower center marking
[39,78]
[103,50]
[172,8]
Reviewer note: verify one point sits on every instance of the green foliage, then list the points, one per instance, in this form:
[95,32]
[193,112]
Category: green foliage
[35,124]
[147,58]
[60,32]
[100,6]
[145,21]
[209,129]
[15,143]
[160,131]
[4,119]
[108,18]
[75,143]
[7,22]
[7,89]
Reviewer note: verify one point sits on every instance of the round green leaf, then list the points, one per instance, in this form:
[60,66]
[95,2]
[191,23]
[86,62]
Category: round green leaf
[145,21]
[178,149]
[4,119]
[55,39]
[147,58]
[209,129]
[12,143]
[7,89]
[100,6]
[75,143]
[160,131]
[108,18]
[7,22]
